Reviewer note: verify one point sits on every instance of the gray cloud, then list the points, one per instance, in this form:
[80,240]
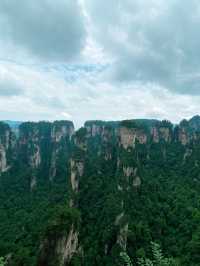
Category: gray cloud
[48,29]
[145,46]
[52,102]
[9,88]
[150,41]
[47,96]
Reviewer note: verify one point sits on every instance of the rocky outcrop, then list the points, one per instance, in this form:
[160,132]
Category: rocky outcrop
[128,137]
[59,249]
[105,130]
[108,156]
[61,130]
[42,142]
[33,183]
[137,181]
[122,237]
[128,171]
[183,136]
[165,134]
[77,170]
[155,134]
[3,160]
[188,153]
[29,143]
[119,218]
[6,146]
[40,145]
[123,231]
[35,158]
[94,129]
[189,130]
[159,133]
[67,246]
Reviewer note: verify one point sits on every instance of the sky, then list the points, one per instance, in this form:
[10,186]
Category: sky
[99,60]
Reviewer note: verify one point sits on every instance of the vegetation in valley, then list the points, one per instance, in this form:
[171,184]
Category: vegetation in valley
[125,198]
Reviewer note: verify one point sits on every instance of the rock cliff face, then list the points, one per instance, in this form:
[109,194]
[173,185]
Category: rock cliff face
[6,145]
[61,239]
[40,145]
[43,142]
[77,169]
[129,136]
[35,138]
[59,249]
[67,246]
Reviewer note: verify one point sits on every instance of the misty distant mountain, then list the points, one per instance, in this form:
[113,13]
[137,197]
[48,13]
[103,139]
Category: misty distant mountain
[13,124]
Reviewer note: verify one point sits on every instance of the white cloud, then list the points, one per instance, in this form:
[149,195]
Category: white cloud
[144,45]
[150,41]
[48,96]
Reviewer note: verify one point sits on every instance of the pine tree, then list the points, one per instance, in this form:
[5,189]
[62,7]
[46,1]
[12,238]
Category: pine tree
[158,258]
[2,261]
[126,259]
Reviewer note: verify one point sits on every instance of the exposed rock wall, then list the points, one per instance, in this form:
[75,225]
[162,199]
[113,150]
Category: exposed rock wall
[77,170]
[6,146]
[59,249]
[3,160]
[56,137]
[183,136]
[67,246]
[61,130]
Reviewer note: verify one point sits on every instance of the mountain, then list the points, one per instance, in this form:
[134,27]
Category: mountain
[81,197]
[13,124]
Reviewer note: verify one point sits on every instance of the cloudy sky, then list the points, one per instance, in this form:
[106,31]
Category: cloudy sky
[94,59]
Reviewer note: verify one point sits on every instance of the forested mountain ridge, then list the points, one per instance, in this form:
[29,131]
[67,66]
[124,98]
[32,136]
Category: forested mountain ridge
[80,197]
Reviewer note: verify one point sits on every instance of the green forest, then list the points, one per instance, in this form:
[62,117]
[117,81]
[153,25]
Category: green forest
[110,193]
